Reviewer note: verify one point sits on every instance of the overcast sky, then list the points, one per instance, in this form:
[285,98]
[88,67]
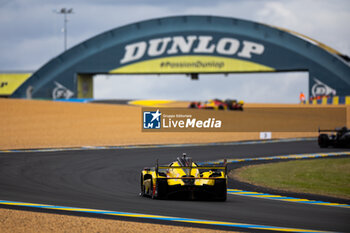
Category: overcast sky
[31,34]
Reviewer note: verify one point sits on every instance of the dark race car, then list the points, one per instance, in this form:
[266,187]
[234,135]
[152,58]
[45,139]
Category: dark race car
[339,137]
[218,104]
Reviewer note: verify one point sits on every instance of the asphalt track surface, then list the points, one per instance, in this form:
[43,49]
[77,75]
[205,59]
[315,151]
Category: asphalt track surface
[110,180]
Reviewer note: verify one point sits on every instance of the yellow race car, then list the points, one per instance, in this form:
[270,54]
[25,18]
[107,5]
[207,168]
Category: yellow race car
[185,179]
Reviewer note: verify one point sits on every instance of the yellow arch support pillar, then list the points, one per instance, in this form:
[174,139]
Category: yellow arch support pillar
[335,100]
[347,100]
[85,86]
[324,100]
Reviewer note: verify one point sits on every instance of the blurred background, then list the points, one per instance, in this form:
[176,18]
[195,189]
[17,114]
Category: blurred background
[32,33]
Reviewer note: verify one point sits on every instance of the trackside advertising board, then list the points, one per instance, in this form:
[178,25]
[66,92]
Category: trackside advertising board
[193,53]
[9,82]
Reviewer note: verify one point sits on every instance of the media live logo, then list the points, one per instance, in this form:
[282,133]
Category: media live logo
[151,120]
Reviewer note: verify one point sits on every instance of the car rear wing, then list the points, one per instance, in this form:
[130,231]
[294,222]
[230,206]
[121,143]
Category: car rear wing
[327,130]
[206,167]
[333,130]
[190,178]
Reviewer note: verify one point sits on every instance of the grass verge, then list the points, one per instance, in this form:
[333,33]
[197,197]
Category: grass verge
[329,177]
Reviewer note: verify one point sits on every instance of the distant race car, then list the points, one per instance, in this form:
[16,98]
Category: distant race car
[339,137]
[218,104]
[185,179]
